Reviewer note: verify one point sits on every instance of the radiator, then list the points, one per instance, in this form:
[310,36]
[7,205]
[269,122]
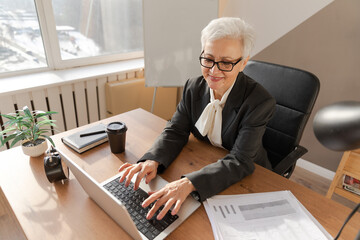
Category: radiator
[77,103]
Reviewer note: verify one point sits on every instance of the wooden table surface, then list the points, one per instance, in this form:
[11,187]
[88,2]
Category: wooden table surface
[64,211]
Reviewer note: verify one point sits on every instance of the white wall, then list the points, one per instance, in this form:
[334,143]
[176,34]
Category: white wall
[271,19]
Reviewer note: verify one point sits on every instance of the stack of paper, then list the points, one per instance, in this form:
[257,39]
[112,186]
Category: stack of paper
[257,216]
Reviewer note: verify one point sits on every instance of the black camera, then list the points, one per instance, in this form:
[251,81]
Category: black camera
[55,169]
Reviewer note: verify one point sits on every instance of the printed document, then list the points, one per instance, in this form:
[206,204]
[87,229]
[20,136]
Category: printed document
[262,216]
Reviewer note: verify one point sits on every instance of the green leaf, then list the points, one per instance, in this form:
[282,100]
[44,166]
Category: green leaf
[42,114]
[36,136]
[44,122]
[27,133]
[27,112]
[16,139]
[35,128]
[44,131]
[44,119]
[48,138]
[7,130]
[45,127]
[9,138]
[22,133]
[2,141]
[10,122]
[26,124]
[8,116]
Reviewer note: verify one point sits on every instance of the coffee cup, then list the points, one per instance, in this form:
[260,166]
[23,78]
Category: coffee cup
[116,132]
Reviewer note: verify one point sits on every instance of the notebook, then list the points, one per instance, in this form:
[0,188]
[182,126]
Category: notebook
[82,144]
[117,210]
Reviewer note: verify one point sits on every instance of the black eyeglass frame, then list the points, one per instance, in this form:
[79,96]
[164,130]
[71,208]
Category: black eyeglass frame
[217,63]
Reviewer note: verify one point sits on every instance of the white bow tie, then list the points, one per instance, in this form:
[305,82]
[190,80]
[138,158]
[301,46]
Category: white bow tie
[210,120]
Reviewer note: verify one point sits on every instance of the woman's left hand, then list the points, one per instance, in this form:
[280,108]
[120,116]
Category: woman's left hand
[173,193]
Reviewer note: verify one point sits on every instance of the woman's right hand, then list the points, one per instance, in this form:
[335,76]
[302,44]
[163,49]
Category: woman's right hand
[147,169]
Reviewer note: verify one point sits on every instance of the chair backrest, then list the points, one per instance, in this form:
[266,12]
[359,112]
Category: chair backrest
[295,92]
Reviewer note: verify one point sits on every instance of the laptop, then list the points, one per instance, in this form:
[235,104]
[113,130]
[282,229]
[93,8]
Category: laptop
[104,194]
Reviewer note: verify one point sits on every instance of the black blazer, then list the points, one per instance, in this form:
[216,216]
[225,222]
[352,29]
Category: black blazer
[244,117]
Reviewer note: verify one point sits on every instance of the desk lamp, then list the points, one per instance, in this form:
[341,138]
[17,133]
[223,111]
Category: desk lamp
[337,127]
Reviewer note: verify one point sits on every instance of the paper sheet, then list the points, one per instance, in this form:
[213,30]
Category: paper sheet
[262,216]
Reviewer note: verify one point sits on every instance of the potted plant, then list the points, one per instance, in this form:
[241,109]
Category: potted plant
[31,128]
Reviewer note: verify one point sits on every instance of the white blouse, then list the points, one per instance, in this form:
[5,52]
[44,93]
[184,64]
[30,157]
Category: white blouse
[210,120]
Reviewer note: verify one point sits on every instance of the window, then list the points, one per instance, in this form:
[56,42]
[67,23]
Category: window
[57,34]
[93,27]
[21,45]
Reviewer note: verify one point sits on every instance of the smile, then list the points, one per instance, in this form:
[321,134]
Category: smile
[215,79]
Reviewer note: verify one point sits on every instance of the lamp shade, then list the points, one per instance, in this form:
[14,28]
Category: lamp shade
[337,126]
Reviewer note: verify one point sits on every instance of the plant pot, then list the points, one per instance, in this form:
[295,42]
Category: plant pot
[34,151]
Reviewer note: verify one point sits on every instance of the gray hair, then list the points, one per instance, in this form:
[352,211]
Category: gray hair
[229,27]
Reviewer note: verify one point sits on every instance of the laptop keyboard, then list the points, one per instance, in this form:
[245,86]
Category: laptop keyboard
[132,200]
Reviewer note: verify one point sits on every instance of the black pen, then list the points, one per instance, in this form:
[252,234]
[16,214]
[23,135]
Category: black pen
[92,133]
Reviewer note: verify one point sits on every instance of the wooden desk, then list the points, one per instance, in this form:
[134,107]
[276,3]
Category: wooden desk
[64,211]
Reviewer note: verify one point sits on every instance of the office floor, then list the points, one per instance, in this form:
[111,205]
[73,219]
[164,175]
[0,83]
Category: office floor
[10,228]
[318,184]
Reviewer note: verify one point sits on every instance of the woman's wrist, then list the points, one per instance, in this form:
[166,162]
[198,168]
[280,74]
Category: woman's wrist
[188,184]
[153,162]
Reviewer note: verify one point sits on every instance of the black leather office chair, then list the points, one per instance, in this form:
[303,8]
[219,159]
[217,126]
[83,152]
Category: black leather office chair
[295,92]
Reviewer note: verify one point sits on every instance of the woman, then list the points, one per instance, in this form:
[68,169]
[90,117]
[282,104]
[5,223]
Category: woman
[224,107]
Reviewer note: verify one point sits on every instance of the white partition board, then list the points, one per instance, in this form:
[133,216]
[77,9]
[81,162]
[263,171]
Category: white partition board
[172,31]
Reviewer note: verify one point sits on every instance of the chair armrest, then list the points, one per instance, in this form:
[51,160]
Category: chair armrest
[283,167]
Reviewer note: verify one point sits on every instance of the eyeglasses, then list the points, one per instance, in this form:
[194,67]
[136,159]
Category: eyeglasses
[222,66]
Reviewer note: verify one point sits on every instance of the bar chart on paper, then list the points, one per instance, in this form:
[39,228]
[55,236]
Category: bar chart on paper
[276,215]
[255,211]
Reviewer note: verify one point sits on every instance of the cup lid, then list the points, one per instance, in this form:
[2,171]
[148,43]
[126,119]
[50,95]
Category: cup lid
[116,127]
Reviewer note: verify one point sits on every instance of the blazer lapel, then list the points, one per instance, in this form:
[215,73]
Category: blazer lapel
[233,103]
[202,100]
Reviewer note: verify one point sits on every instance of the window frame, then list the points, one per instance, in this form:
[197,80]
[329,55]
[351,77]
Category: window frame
[50,40]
